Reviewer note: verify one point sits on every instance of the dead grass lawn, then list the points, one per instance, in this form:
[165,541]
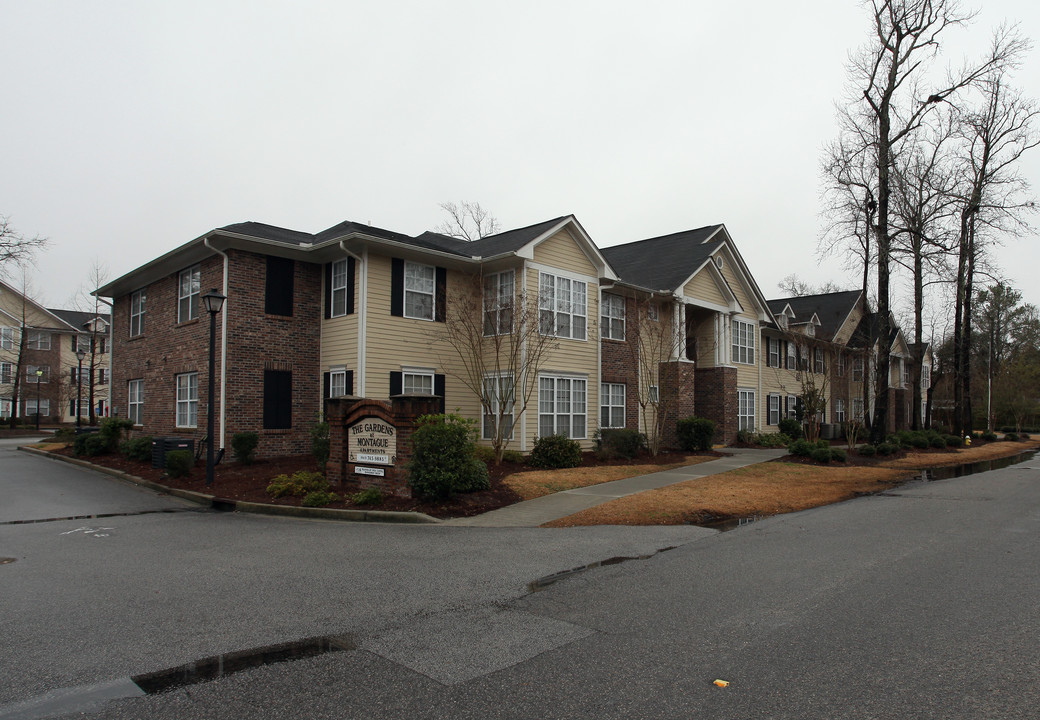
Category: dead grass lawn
[536,483]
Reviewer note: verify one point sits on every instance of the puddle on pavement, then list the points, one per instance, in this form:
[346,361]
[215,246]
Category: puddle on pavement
[217,666]
[955,471]
[727,524]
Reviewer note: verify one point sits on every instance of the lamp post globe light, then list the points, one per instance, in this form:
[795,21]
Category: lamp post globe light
[80,354]
[39,378]
[213,301]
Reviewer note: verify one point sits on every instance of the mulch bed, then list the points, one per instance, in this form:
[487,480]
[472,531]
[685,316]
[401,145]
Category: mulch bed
[249,483]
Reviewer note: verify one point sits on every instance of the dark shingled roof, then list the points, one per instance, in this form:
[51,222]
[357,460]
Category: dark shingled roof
[662,263]
[269,232]
[831,308]
[511,240]
[78,319]
[869,329]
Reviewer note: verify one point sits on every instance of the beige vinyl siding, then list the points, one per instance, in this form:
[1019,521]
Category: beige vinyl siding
[703,287]
[841,337]
[562,251]
[396,342]
[339,335]
[747,375]
[778,381]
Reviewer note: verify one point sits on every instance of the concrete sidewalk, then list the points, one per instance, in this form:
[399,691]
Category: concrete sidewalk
[532,513]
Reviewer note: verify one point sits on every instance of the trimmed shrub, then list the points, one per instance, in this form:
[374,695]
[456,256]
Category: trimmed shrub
[319,498]
[1011,437]
[938,441]
[790,427]
[695,434]
[555,451]
[443,458]
[138,448]
[919,441]
[838,455]
[486,454]
[620,442]
[989,436]
[179,463]
[113,431]
[65,434]
[746,437]
[866,450]
[368,496]
[801,448]
[89,445]
[320,447]
[299,483]
[953,441]
[773,440]
[821,455]
[887,449]
[243,445]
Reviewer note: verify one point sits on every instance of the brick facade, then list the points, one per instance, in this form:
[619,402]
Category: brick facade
[618,365]
[678,397]
[715,397]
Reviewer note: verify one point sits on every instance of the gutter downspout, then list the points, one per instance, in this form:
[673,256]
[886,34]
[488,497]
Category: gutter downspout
[223,345]
[362,313]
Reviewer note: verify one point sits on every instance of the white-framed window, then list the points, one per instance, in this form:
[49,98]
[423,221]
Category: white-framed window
[5,408]
[652,312]
[340,283]
[839,410]
[745,409]
[499,293]
[103,376]
[32,378]
[612,316]
[774,410]
[417,382]
[841,364]
[926,377]
[499,392]
[420,286]
[562,406]
[188,400]
[189,284]
[818,356]
[30,406]
[135,401]
[792,356]
[773,359]
[792,407]
[337,381]
[38,340]
[6,373]
[857,369]
[857,409]
[612,405]
[743,342]
[562,306]
[137,302]
[906,375]
[7,338]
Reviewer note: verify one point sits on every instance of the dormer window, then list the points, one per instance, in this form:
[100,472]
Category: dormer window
[781,320]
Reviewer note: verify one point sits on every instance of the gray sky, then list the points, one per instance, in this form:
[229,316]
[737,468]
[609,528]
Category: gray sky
[131,127]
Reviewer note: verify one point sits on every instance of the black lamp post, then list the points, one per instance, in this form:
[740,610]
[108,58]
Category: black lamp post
[39,377]
[80,354]
[213,301]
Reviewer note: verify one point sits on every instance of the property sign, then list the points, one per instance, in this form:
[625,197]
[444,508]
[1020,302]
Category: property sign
[373,441]
[360,470]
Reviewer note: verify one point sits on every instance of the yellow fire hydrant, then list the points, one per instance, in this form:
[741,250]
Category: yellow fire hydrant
[967,440]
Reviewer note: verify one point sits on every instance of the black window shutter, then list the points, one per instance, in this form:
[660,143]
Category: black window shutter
[326,385]
[438,389]
[278,297]
[396,383]
[351,269]
[350,382]
[397,288]
[328,290]
[441,295]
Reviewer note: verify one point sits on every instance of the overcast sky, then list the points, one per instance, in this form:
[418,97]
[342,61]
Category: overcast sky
[129,128]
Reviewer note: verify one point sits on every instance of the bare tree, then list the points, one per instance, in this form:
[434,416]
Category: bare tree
[497,347]
[813,381]
[16,248]
[793,286]
[467,221]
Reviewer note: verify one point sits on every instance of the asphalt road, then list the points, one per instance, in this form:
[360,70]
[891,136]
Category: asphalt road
[920,603]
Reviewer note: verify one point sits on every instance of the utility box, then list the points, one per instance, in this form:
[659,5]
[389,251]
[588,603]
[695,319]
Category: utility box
[830,431]
[163,445]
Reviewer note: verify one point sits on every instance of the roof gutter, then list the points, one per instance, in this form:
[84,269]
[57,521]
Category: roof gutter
[223,344]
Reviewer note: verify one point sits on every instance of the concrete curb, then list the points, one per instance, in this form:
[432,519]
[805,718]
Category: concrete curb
[227,504]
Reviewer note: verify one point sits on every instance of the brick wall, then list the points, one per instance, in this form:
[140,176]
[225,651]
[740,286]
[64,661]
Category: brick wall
[678,383]
[618,365]
[715,395]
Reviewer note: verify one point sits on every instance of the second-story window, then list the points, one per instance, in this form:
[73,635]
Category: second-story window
[7,338]
[743,342]
[38,340]
[562,306]
[499,289]
[612,317]
[420,283]
[792,356]
[339,281]
[189,283]
[857,370]
[774,354]
[137,313]
[906,374]
[819,360]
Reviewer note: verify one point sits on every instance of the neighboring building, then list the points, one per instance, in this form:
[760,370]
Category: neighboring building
[38,349]
[359,310]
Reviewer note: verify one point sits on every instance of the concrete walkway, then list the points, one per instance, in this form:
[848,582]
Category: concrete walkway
[532,513]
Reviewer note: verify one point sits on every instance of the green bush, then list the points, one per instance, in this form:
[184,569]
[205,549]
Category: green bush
[695,434]
[620,442]
[773,440]
[866,450]
[886,448]
[243,445]
[953,441]
[65,434]
[320,447]
[113,431]
[89,445]
[555,451]
[179,463]
[919,441]
[990,436]
[838,455]
[801,448]
[138,448]
[319,498]
[938,441]
[821,455]
[1011,437]
[791,428]
[298,484]
[1023,436]
[444,458]
[486,454]
[368,496]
